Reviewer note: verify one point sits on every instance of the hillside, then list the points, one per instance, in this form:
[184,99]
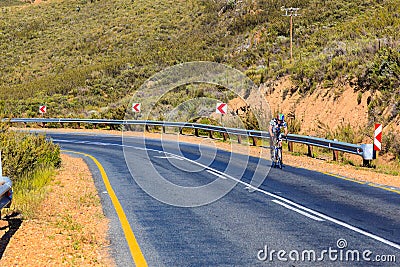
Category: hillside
[84,57]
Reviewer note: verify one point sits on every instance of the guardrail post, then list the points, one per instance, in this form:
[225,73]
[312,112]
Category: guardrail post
[163,129]
[146,127]
[196,132]
[290,146]
[180,130]
[1,166]
[309,151]
[254,141]
[210,134]
[335,155]
[239,139]
[225,136]
[367,163]
[368,154]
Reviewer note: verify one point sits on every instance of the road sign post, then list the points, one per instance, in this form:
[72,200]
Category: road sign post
[42,109]
[136,107]
[378,137]
[222,108]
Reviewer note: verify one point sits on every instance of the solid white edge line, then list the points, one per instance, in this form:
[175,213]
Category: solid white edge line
[298,210]
[326,217]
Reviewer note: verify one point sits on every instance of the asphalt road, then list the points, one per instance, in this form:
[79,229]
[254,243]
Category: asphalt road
[292,215]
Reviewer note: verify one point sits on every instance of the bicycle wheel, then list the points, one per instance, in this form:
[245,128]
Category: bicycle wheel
[276,157]
[273,158]
[279,158]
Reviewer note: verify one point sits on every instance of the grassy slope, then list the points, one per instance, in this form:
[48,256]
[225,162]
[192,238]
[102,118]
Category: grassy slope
[77,61]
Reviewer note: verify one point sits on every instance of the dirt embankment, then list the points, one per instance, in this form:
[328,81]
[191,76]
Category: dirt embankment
[325,108]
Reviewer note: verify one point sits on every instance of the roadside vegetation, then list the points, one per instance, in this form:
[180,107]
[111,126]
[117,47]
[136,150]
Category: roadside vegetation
[30,161]
[86,58]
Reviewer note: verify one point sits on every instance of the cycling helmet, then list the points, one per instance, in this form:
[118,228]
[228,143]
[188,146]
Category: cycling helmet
[281,117]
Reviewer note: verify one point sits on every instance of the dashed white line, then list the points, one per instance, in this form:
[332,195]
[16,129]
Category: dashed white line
[298,210]
[168,157]
[217,174]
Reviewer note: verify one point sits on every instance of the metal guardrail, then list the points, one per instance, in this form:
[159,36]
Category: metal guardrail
[307,140]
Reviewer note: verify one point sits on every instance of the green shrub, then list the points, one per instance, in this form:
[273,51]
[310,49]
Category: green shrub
[24,153]
[391,143]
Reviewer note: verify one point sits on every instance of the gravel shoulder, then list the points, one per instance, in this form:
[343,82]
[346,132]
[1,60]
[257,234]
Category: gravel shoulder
[69,228]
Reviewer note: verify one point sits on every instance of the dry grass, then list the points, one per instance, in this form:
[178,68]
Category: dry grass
[69,227]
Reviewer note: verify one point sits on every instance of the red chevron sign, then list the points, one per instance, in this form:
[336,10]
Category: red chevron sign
[42,109]
[378,137]
[136,107]
[222,108]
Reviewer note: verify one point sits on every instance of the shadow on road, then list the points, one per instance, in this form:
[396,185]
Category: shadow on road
[14,223]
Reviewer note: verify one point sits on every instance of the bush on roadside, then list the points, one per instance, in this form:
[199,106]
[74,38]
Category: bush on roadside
[391,143]
[24,153]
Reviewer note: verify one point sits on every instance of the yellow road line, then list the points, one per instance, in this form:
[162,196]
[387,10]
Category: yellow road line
[134,247]
[386,188]
[363,182]
[344,178]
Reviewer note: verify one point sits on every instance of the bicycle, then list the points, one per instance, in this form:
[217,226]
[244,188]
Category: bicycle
[277,152]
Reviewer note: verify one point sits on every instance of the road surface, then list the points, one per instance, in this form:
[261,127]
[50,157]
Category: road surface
[296,217]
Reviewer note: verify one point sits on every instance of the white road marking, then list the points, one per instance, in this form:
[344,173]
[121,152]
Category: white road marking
[216,174]
[298,211]
[168,157]
[316,213]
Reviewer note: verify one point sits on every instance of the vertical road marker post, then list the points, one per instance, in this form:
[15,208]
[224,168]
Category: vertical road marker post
[1,168]
[377,139]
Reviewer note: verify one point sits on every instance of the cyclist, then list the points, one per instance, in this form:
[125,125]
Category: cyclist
[275,130]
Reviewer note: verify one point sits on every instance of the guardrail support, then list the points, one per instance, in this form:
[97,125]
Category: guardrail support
[146,127]
[225,136]
[196,132]
[290,146]
[254,141]
[309,151]
[335,155]
[239,139]
[163,129]
[210,134]
[1,166]
[367,163]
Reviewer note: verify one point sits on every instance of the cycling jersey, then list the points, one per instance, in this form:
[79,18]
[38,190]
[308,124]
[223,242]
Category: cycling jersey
[277,126]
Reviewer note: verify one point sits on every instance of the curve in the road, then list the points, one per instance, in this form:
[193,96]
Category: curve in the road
[187,236]
[134,247]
